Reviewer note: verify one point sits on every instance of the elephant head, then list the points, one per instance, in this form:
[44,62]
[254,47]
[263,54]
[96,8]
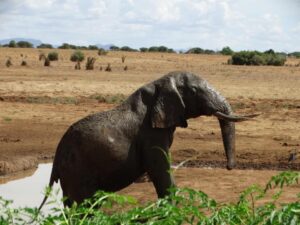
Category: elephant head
[182,95]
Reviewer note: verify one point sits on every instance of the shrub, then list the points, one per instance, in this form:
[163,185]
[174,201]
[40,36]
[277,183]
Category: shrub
[23,63]
[195,51]
[8,62]
[143,49]
[294,54]
[45,46]
[77,66]
[77,56]
[108,68]
[93,47]
[53,56]
[127,49]
[24,44]
[102,51]
[90,63]
[123,58]
[47,62]
[257,58]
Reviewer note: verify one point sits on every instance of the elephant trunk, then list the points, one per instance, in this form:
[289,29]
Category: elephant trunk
[228,136]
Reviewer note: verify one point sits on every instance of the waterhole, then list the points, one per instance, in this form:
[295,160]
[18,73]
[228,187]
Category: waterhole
[28,191]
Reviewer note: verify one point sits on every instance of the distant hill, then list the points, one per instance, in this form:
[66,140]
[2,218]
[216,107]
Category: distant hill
[35,42]
[105,47]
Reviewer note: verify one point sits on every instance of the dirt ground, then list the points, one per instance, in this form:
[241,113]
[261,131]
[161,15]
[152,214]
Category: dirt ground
[37,105]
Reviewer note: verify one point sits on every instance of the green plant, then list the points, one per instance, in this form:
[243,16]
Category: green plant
[182,206]
[53,56]
[258,58]
[77,56]
[90,63]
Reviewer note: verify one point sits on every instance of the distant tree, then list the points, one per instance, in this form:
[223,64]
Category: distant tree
[93,47]
[226,51]
[294,54]
[12,44]
[64,46]
[24,44]
[270,51]
[127,49]
[43,45]
[196,50]
[114,48]
[209,52]
[153,49]
[143,49]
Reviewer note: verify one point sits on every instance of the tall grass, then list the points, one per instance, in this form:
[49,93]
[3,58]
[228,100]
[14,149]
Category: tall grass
[183,206]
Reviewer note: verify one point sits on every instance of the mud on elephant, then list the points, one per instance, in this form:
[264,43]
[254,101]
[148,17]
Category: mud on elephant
[110,150]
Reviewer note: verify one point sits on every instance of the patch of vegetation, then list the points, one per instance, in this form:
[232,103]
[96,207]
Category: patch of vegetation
[90,63]
[24,44]
[51,100]
[127,49]
[227,51]
[43,45]
[102,51]
[6,119]
[109,99]
[160,49]
[198,50]
[183,206]
[294,54]
[8,62]
[77,56]
[53,56]
[257,58]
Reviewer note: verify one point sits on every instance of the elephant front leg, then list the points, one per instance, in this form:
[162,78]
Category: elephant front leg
[157,165]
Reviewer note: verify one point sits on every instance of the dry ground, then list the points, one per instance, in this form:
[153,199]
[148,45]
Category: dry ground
[37,104]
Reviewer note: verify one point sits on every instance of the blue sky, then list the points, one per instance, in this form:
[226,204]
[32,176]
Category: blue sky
[211,24]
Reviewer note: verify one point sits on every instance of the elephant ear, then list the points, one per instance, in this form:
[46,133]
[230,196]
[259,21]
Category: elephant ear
[168,109]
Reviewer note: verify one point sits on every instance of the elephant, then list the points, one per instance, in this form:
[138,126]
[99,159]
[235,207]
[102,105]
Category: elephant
[109,150]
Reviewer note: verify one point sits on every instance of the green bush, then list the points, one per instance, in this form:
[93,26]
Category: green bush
[258,58]
[53,56]
[24,44]
[183,206]
[45,46]
[77,56]
[12,44]
[143,49]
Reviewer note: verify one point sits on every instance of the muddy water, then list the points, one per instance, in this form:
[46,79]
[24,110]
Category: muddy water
[27,191]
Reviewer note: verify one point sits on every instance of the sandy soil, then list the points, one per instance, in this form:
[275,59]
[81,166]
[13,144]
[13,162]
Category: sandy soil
[37,105]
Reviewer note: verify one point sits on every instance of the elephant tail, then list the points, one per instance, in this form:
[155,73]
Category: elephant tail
[53,178]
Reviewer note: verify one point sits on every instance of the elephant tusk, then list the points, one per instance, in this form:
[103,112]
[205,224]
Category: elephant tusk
[234,118]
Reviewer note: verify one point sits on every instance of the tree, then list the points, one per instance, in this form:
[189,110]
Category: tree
[45,46]
[12,44]
[226,51]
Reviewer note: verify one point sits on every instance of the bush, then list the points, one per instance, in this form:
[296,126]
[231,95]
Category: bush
[90,63]
[93,47]
[114,48]
[77,56]
[257,58]
[24,44]
[102,51]
[127,49]
[45,46]
[53,56]
[182,206]
[143,49]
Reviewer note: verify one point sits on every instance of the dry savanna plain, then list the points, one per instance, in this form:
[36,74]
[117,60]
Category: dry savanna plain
[38,104]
